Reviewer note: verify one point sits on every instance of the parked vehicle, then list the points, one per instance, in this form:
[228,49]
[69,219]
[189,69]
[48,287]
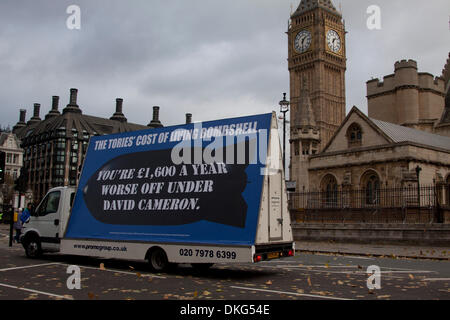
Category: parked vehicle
[181,194]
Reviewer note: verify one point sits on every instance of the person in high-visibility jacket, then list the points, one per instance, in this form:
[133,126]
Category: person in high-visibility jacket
[17,226]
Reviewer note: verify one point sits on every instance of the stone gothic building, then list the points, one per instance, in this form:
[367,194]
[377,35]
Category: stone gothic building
[408,98]
[54,147]
[406,127]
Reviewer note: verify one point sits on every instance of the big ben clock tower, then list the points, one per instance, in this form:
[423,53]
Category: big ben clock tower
[317,55]
[317,65]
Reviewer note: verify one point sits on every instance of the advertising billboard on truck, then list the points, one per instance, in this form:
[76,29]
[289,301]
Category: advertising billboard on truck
[194,183]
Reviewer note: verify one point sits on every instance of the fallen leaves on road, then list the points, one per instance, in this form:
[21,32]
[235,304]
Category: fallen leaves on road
[309,281]
[102,266]
[322,293]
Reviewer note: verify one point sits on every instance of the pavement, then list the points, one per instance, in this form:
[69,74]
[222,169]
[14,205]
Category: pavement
[375,250]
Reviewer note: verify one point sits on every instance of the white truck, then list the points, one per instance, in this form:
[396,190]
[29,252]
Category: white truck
[202,193]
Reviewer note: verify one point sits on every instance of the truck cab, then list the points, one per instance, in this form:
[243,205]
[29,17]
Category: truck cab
[48,222]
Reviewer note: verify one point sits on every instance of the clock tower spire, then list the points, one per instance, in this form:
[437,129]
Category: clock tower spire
[317,61]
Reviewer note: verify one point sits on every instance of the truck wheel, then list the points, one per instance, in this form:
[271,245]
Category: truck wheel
[202,266]
[158,260]
[33,248]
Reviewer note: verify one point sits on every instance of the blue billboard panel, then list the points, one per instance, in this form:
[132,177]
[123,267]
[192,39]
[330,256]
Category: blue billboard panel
[194,183]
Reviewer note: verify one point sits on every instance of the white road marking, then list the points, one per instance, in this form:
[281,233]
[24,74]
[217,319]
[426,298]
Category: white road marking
[302,268]
[313,266]
[31,266]
[436,279]
[340,254]
[94,268]
[123,272]
[321,266]
[35,291]
[360,257]
[289,293]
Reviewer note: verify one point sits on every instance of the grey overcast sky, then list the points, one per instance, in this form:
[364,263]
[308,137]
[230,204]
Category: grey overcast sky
[213,58]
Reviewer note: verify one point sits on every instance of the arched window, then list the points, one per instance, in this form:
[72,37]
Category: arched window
[354,135]
[447,191]
[371,186]
[329,188]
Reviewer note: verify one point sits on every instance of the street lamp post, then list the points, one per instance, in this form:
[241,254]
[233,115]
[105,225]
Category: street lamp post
[284,108]
[418,169]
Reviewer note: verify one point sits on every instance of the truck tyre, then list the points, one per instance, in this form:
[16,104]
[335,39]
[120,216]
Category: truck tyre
[202,266]
[32,247]
[158,260]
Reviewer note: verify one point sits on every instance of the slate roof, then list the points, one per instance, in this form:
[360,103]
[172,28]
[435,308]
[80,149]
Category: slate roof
[404,134]
[73,122]
[307,5]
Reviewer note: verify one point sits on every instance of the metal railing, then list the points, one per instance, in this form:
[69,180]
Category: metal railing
[422,204]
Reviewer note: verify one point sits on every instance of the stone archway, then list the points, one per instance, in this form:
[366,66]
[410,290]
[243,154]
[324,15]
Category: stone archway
[447,190]
[329,188]
[370,184]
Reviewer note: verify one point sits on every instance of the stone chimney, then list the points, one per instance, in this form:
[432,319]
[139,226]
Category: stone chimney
[118,115]
[22,116]
[36,111]
[155,123]
[72,106]
[21,122]
[188,118]
[54,111]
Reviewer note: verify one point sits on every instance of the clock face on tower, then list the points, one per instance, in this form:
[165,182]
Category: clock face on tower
[302,41]
[333,41]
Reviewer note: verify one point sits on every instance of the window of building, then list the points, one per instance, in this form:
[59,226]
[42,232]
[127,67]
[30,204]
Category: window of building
[329,188]
[85,145]
[371,186]
[60,144]
[354,135]
[447,188]
[61,132]
[305,148]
